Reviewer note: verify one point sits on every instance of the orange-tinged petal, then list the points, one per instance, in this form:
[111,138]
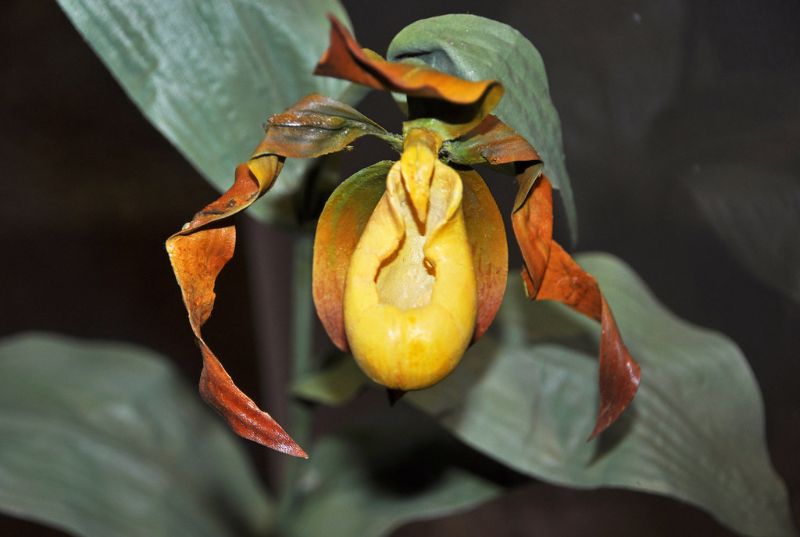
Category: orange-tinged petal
[551,274]
[197,254]
[410,298]
[346,59]
[339,228]
[487,238]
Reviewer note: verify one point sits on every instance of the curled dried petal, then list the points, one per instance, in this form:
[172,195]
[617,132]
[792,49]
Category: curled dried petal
[241,413]
[474,100]
[198,252]
[551,274]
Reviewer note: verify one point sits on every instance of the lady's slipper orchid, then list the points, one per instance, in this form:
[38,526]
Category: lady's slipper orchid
[410,257]
[410,296]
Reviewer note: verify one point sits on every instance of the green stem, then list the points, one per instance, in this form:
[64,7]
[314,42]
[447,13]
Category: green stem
[302,337]
[302,330]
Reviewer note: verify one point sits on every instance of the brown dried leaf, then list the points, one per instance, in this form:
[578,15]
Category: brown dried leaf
[551,274]
[197,254]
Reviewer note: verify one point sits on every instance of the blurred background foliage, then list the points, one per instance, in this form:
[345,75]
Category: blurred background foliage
[679,121]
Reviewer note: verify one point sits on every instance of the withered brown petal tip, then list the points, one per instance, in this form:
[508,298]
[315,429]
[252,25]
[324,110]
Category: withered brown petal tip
[241,413]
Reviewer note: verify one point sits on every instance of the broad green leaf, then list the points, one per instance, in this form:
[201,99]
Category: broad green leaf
[695,430]
[104,439]
[476,48]
[209,74]
[396,468]
[756,213]
[335,385]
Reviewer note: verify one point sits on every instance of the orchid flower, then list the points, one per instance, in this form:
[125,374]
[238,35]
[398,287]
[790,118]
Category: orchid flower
[410,257]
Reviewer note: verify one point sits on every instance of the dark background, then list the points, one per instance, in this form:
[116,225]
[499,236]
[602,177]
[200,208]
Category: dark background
[650,94]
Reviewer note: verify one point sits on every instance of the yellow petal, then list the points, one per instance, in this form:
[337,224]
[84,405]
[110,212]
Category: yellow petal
[410,295]
[420,151]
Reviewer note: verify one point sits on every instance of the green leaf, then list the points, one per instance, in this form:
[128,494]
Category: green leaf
[103,439]
[695,430]
[756,213]
[476,48]
[335,385]
[396,468]
[208,74]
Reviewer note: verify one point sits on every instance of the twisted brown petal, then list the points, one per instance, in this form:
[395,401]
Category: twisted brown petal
[533,227]
[346,59]
[197,254]
[197,259]
[551,274]
[241,413]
